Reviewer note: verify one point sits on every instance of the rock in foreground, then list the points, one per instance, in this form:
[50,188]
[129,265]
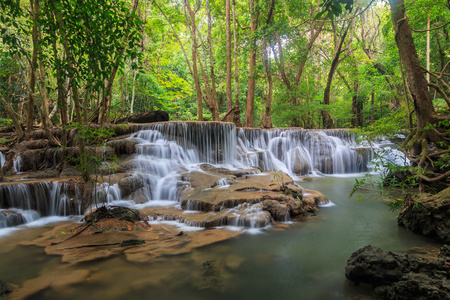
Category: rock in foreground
[428,215]
[401,276]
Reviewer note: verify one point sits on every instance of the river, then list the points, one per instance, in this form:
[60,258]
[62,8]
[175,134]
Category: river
[304,260]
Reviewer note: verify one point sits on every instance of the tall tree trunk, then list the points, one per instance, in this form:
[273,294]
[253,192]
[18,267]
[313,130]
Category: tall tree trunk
[326,118]
[251,66]
[267,119]
[228,33]
[237,112]
[133,91]
[213,99]
[30,107]
[417,83]
[356,105]
[194,61]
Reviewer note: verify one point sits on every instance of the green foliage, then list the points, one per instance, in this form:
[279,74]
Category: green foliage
[5,122]
[278,178]
[389,126]
[91,161]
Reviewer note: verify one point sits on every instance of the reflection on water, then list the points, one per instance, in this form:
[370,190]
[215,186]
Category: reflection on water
[305,261]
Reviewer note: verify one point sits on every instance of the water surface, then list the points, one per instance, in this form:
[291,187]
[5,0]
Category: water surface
[304,261]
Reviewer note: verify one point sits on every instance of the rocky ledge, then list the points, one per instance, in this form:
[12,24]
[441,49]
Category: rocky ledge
[401,276]
[428,215]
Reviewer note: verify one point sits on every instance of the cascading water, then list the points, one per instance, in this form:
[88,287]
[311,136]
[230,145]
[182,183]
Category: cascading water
[2,159]
[17,162]
[40,198]
[302,152]
[166,150]
[13,217]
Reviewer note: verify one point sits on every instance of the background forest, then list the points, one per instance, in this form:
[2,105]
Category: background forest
[259,63]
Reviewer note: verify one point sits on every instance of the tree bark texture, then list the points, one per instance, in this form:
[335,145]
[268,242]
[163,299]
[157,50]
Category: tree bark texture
[251,67]
[414,75]
[228,33]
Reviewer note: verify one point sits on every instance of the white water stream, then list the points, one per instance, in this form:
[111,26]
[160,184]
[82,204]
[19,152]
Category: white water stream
[166,149]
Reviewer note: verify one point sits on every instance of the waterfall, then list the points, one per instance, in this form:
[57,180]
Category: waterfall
[47,198]
[2,160]
[17,163]
[166,150]
[13,217]
[302,152]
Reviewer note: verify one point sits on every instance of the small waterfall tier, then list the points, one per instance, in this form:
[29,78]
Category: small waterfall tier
[302,152]
[23,202]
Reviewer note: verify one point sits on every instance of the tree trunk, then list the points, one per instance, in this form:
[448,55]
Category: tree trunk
[414,75]
[237,112]
[326,118]
[30,107]
[194,61]
[251,66]
[228,33]
[133,91]
[213,99]
[267,119]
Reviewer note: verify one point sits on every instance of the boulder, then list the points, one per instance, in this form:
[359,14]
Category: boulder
[300,165]
[428,215]
[278,211]
[146,117]
[123,146]
[398,276]
[314,198]
[130,184]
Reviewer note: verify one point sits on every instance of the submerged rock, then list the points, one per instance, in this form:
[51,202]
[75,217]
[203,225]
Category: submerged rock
[428,215]
[399,276]
[4,289]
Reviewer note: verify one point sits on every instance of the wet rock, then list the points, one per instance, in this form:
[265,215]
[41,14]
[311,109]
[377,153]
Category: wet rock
[314,198]
[130,184]
[298,209]
[146,117]
[4,289]
[33,144]
[52,280]
[278,211]
[428,215]
[68,172]
[47,174]
[237,173]
[444,253]
[131,242]
[123,146]
[10,218]
[233,262]
[300,165]
[118,212]
[211,278]
[375,266]
[398,276]
[31,160]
